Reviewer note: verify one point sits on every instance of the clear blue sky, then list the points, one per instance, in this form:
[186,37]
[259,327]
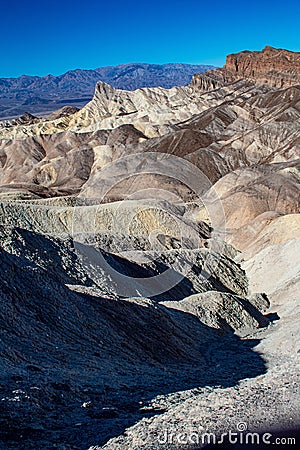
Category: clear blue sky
[42,37]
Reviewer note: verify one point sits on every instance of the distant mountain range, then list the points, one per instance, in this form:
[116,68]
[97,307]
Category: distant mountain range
[42,95]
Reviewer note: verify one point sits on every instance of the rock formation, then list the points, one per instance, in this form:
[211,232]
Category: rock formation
[150,261]
[276,67]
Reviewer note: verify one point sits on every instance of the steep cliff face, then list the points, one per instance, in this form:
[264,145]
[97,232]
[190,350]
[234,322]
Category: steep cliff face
[277,67]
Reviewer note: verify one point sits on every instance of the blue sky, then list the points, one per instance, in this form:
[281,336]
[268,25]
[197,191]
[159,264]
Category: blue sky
[42,37]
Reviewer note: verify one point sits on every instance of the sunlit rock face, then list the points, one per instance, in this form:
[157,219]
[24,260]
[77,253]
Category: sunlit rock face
[276,67]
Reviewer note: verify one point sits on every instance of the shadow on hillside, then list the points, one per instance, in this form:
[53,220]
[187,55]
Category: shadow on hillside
[78,369]
[133,279]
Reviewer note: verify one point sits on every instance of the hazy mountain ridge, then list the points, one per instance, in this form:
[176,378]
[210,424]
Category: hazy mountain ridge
[40,94]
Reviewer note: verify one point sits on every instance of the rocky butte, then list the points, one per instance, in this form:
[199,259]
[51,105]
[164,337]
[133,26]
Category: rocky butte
[277,67]
[150,267]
